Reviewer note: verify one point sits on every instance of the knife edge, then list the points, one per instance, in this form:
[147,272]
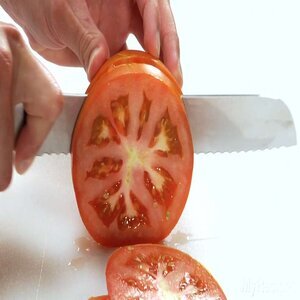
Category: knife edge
[219,123]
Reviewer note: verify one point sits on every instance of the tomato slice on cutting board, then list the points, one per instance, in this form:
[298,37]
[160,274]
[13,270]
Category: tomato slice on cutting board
[153,272]
[132,154]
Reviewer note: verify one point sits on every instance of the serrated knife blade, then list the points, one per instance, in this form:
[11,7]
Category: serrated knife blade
[234,123]
[219,123]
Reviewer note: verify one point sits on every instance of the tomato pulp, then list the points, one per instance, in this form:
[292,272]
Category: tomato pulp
[132,152]
[153,272]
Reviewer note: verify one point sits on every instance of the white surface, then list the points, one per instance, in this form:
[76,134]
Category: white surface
[242,217]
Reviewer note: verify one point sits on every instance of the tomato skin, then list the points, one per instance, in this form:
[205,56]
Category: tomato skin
[100,298]
[151,271]
[99,164]
[128,57]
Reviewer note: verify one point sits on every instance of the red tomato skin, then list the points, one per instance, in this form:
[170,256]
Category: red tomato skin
[128,57]
[100,298]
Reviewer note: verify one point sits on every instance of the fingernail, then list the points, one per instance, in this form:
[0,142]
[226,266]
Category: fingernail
[97,58]
[91,70]
[157,45]
[23,165]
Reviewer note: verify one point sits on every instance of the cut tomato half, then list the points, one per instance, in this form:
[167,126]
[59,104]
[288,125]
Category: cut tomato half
[132,156]
[153,272]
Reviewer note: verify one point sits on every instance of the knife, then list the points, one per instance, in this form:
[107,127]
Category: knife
[219,123]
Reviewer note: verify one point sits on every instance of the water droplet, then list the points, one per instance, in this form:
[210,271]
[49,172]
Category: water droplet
[77,263]
[178,238]
[87,248]
[86,245]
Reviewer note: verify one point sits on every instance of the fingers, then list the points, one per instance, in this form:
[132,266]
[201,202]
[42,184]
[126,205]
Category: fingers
[79,32]
[149,11]
[32,136]
[42,101]
[170,40]
[41,113]
[159,33]
[6,121]
[23,79]
[61,55]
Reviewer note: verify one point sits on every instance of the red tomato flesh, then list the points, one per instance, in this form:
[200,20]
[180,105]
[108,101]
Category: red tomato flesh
[132,156]
[153,272]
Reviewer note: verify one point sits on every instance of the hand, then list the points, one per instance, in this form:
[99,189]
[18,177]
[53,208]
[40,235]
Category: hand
[86,33]
[23,80]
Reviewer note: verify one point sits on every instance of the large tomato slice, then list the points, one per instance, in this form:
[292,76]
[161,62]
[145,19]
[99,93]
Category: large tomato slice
[153,272]
[132,156]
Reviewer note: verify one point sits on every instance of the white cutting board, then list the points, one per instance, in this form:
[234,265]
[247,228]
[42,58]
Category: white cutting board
[242,216]
[241,222]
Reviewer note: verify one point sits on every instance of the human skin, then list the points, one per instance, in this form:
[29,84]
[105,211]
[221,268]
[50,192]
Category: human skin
[23,80]
[71,33]
[86,33]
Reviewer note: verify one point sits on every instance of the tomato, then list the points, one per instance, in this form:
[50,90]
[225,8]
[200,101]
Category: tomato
[132,56]
[158,272]
[99,298]
[132,155]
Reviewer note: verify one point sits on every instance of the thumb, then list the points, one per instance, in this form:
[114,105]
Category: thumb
[96,57]
[78,31]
